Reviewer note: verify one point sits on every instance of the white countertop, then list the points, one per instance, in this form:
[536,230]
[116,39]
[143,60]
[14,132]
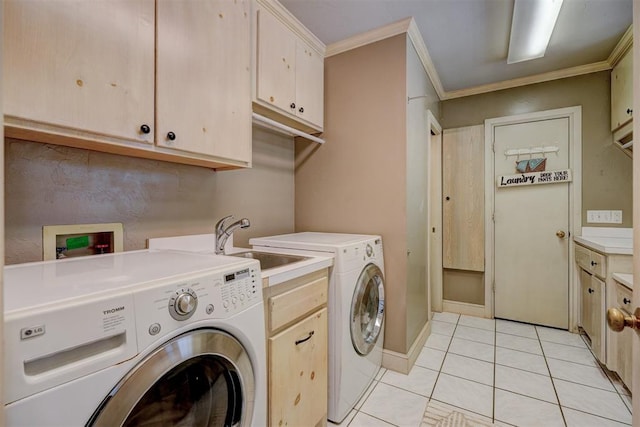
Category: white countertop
[609,241]
[625,279]
[203,243]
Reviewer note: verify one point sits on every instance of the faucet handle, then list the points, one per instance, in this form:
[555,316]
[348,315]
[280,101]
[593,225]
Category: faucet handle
[220,224]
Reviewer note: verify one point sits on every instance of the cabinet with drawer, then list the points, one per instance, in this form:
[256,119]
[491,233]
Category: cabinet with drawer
[621,342]
[296,321]
[597,292]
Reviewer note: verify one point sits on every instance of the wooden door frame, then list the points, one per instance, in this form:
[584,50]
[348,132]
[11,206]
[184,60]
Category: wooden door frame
[434,294]
[574,114]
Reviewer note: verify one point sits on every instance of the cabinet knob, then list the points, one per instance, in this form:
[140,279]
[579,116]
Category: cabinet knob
[145,129]
[293,105]
[447,198]
[617,321]
[593,263]
[301,109]
[629,111]
[626,301]
[171,136]
[591,290]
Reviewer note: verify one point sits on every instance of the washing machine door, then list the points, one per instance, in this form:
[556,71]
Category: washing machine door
[201,378]
[367,309]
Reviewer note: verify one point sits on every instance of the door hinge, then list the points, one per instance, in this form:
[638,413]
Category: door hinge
[493,216]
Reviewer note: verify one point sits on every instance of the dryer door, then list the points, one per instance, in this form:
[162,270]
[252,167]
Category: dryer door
[201,378]
[367,309]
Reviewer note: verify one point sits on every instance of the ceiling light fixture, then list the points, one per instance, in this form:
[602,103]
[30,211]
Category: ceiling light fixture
[531,28]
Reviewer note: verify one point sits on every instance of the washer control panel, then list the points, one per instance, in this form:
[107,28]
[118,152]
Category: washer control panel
[165,307]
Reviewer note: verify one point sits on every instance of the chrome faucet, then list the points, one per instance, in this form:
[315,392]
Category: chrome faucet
[223,233]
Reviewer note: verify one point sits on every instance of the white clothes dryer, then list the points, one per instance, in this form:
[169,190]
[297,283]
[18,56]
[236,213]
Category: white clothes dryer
[355,309]
[135,338]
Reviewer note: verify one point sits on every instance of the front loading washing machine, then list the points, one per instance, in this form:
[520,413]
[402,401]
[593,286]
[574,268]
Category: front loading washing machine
[355,309]
[137,338]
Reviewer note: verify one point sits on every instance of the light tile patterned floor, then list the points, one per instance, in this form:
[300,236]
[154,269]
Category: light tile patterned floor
[496,372]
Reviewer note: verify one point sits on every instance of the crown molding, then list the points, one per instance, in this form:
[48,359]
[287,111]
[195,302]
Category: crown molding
[425,58]
[369,37]
[529,80]
[286,17]
[623,46]
[409,26]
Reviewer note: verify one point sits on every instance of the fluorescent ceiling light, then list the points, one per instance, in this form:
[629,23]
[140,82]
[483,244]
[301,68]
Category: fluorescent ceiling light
[531,28]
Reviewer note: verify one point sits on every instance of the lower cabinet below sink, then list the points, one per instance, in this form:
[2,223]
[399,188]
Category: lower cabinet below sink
[297,327]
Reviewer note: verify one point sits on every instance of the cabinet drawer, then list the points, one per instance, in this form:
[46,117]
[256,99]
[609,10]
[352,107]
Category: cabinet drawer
[583,257]
[298,373]
[297,302]
[598,264]
[623,297]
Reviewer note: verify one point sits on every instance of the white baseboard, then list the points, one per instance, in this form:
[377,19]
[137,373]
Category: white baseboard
[401,362]
[463,308]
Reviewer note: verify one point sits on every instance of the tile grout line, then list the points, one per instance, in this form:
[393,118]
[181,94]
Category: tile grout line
[553,384]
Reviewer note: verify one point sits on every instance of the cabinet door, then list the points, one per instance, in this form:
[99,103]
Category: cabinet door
[276,66]
[586,309]
[80,65]
[203,77]
[309,85]
[622,92]
[463,192]
[592,312]
[298,373]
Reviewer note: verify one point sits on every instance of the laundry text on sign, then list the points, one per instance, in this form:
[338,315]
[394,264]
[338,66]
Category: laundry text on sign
[535,178]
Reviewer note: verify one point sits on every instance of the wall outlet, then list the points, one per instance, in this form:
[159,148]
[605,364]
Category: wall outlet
[604,217]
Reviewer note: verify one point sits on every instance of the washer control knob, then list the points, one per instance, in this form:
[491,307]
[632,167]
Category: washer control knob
[369,251]
[183,304]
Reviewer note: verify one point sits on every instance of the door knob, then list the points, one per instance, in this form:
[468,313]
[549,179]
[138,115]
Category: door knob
[617,320]
[560,234]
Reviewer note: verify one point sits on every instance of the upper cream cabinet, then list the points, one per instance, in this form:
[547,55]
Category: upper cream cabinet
[289,69]
[622,91]
[164,80]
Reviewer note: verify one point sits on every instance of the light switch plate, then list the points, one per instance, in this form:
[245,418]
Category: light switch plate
[616,217]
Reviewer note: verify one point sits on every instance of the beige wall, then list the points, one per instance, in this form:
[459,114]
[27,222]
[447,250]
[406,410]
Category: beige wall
[355,182]
[607,172]
[47,184]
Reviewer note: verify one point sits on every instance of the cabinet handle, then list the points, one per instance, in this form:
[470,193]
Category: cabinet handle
[301,109]
[305,339]
[629,110]
[293,105]
[145,129]
[590,290]
[171,136]
[593,263]
[626,301]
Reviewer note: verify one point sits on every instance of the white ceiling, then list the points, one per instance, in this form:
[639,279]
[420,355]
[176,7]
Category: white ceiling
[468,40]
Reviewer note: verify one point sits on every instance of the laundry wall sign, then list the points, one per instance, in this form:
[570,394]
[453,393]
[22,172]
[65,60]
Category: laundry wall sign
[534,178]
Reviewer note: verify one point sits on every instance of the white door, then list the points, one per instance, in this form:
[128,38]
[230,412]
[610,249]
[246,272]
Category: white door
[531,240]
